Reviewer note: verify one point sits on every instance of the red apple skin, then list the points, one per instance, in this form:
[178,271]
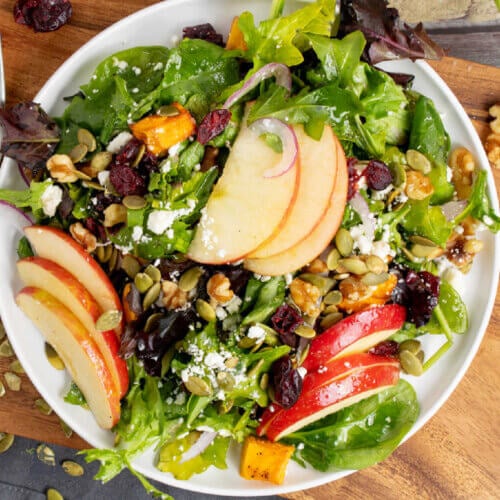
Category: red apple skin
[77,349]
[324,400]
[339,367]
[46,274]
[358,327]
[54,244]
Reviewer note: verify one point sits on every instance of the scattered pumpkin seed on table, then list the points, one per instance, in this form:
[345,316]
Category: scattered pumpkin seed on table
[6,349]
[42,406]
[72,468]
[46,455]
[13,381]
[2,389]
[6,441]
[53,494]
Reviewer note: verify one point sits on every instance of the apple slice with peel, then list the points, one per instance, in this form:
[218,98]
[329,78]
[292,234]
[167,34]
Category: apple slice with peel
[326,399]
[245,207]
[315,242]
[54,244]
[318,173]
[85,363]
[43,273]
[339,367]
[355,333]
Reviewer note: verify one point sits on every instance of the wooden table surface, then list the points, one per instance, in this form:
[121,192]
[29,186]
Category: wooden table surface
[456,454]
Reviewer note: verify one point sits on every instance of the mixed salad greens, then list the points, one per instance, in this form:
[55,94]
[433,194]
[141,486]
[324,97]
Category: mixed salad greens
[201,370]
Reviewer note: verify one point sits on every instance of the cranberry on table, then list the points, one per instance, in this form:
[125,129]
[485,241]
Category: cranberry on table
[43,15]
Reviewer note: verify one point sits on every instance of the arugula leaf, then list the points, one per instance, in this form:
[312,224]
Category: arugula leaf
[270,296]
[360,435]
[30,197]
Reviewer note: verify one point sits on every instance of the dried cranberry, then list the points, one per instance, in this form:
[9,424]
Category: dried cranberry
[286,381]
[43,15]
[213,124]
[96,229]
[418,292]
[378,176]
[127,180]
[128,153]
[285,320]
[386,348]
[204,32]
[354,177]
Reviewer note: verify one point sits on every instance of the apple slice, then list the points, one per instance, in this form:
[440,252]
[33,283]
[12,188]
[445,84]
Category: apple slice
[310,247]
[327,399]
[54,244]
[245,207]
[355,333]
[43,273]
[318,173]
[65,333]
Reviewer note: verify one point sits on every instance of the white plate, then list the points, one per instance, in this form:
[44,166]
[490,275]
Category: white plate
[159,24]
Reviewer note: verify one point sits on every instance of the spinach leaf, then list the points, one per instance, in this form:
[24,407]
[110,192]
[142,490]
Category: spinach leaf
[479,205]
[360,435]
[429,136]
[24,248]
[271,296]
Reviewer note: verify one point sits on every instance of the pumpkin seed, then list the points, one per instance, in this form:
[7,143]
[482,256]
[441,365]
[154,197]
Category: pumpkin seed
[264,381]
[272,337]
[410,363]
[421,356]
[332,308]
[372,279]
[410,256]
[103,253]
[375,264]
[53,357]
[6,441]
[101,161]
[421,240]
[152,322]
[72,468]
[67,430]
[197,386]
[46,455]
[190,278]
[108,320]
[78,153]
[323,283]
[411,345]
[130,265]
[226,381]
[231,362]
[398,172]
[166,360]
[255,368]
[134,202]
[344,242]
[153,272]
[151,296]
[205,310]
[305,331]
[114,260]
[43,406]
[140,154]
[86,137]
[341,276]
[13,381]
[247,343]
[333,298]
[16,367]
[332,260]
[418,161]
[473,246]
[53,494]
[143,282]
[168,110]
[2,389]
[6,350]
[330,319]
[354,265]
[303,354]
[426,252]
[2,331]
[225,406]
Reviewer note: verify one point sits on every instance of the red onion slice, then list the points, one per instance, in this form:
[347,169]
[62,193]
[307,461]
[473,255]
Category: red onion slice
[199,447]
[289,143]
[361,206]
[18,211]
[280,71]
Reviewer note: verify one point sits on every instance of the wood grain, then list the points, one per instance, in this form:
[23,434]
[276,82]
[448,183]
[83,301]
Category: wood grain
[456,454]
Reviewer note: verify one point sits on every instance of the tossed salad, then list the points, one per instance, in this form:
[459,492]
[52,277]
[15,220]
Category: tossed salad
[242,240]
